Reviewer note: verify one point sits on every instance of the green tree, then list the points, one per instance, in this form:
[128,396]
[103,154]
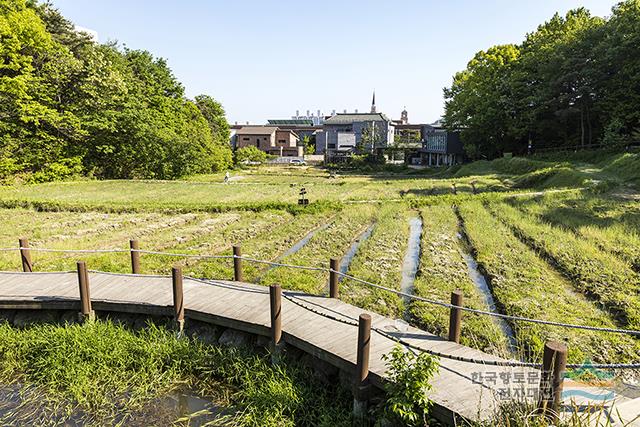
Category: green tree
[215,116]
[480,102]
[250,154]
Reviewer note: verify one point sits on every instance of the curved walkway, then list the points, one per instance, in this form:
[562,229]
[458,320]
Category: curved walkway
[320,326]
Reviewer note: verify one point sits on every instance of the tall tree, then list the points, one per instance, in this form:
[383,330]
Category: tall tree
[214,114]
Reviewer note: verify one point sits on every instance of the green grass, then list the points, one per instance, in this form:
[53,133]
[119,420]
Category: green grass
[523,284]
[593,272]
[379,260]
[108,373]
[331,242]
[608,223]
[566,241]
[443,270]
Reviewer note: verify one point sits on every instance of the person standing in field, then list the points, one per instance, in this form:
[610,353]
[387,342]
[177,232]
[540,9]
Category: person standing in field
[226,177]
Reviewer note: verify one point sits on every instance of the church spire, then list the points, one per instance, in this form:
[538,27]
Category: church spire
[373,102]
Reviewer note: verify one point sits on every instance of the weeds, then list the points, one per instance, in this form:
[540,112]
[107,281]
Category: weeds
[107,373]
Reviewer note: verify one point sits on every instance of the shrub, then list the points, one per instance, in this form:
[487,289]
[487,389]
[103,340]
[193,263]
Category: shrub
[250,154]
[409,380]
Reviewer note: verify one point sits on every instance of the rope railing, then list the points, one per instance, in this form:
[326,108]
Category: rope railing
[343,275]
[491,362]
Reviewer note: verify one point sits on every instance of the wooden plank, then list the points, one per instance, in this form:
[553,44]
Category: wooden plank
[246,307]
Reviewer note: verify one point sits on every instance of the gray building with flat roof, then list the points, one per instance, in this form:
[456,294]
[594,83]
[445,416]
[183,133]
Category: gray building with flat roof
[351,132]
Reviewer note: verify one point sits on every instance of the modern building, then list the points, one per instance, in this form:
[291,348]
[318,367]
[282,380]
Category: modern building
[270,139]
[440,147]
[352,132]
[302,127]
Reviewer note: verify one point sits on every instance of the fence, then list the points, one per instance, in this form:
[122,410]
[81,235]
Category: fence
[554,358]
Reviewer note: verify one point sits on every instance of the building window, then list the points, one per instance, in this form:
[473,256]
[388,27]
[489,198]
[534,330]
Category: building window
[282,141]
[246,138]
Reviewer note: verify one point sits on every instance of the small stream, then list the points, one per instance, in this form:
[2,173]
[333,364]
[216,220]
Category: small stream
[353,249]
[296,247]
[481,284]
[411,260]
[303,242]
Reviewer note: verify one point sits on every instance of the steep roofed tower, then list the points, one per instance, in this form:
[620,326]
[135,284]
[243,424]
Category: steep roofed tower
[373,102]
[404,116]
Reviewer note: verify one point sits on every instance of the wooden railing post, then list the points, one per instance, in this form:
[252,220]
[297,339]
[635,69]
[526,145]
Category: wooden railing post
[178,298]
[333,278]
[86,313]
[275,306]
[554,363]
[134,246]
[361,386]
[237,264]
[25,255]
[455,316]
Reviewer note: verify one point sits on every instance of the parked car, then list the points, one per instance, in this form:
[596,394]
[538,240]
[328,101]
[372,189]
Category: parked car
[297,162]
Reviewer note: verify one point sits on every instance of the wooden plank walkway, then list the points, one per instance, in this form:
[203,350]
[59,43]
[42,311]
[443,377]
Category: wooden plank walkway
[245,307]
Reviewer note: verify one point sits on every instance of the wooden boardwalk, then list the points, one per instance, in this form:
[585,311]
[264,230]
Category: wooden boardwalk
[309,324]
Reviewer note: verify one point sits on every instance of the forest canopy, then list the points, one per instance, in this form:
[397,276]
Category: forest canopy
[70,106]
[575,81]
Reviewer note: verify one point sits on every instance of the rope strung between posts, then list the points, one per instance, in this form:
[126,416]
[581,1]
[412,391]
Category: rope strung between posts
[278,264]
[506,363]
[489,313]
[72,251]
[354,322]
[347,276]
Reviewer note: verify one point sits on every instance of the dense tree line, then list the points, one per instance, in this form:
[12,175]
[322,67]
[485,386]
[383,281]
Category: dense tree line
[573,81]
[71,106]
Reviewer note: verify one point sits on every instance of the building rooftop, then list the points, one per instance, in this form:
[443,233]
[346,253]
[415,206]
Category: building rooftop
[344,119]
[256,130]
[291,122]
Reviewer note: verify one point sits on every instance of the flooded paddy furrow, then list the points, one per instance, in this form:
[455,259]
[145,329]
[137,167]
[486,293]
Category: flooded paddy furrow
[296,247]
[411,261]
[303,242]
[345,261]
[480,280]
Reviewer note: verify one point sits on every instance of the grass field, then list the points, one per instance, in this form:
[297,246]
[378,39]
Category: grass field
[557,239]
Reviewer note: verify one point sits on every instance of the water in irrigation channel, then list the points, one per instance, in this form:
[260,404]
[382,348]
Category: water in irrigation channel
[25,406]
[481,284]
[411,261]
[302,242]
[346,259]
[296,247]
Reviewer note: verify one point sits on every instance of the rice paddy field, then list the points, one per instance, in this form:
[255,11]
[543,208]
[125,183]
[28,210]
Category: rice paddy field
[550,240]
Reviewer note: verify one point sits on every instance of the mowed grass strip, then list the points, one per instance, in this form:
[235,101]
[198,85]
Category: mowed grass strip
[443,270]
[331,242]
[525,285]
[609,223]
[596,273]
[210,234]
[253,191]
[379,259]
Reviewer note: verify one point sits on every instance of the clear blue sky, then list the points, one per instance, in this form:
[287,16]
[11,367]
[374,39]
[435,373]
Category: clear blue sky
[265,59]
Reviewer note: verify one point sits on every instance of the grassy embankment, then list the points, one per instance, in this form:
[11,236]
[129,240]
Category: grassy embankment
[609,223]
[103,374]
[597,274]
[443,270]
[523,284]
[380,260]
[331,242]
